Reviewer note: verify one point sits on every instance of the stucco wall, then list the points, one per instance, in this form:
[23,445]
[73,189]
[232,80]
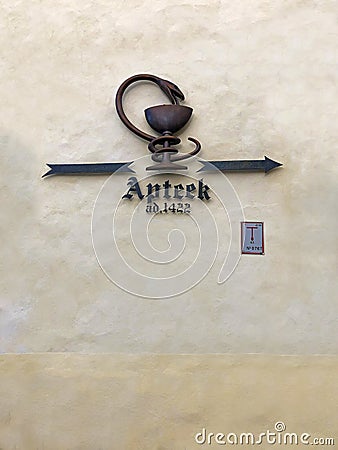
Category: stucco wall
[148,402]
[262,79]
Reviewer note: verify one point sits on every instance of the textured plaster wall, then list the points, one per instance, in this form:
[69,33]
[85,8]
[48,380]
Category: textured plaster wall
[262,78]
[118,402]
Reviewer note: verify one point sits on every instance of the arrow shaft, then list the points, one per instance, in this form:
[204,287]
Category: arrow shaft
[265,165]
[255,164]
[85,169]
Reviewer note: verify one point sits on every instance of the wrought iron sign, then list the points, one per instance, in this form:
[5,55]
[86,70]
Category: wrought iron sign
[167,196]
[166,120]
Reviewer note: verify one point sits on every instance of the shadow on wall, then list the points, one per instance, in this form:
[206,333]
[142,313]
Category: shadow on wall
[19,230]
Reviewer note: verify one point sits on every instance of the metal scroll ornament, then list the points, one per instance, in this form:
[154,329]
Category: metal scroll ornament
[166,119]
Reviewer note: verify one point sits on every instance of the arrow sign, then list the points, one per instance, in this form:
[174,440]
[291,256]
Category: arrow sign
[85,169]
[265,165]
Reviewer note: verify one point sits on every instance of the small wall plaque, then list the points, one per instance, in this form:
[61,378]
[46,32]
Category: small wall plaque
[252,238]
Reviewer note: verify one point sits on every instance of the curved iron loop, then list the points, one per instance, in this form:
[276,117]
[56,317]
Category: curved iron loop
[188,155]
[166,141]
[170,89]
[157,157]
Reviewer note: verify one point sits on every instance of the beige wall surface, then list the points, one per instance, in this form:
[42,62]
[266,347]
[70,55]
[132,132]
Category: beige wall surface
[91,366]
[160,402]
[262,79]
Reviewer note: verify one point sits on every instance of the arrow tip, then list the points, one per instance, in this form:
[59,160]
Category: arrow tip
[207,166]
[49,171]
[126,168]
[270,164]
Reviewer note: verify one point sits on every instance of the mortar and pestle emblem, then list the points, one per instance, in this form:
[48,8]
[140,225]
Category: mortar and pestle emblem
[165,119]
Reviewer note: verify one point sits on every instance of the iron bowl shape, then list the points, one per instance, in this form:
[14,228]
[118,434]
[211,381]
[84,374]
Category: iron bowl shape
[168,117]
